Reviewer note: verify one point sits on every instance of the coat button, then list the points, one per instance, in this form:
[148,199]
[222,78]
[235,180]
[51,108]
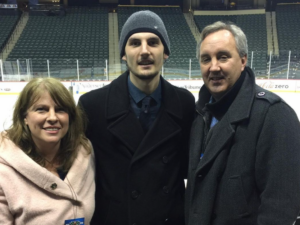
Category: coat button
[166,189]
[260,94]
[134,224]
[165,159]
[53,186]
[167,220]
[134,194]
[199,175]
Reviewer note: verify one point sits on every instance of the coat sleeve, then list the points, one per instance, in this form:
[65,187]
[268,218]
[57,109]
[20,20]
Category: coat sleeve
[82,105]
[5,216]
[189,115]
[277,167]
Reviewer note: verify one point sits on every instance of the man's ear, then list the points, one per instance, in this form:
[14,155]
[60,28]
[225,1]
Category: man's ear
[244,60]
[124,58]
[166,56]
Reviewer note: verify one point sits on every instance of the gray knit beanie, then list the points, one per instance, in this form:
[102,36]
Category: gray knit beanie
[144,21]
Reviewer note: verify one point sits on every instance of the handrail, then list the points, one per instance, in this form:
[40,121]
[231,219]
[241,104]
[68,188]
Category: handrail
[285,66]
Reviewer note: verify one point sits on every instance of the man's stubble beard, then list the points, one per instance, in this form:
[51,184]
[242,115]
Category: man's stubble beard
[144,77]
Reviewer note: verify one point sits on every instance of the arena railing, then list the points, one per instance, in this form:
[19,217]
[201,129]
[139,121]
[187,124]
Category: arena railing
[285,65]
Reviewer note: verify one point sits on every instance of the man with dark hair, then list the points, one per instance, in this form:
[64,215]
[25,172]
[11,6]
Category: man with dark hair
[244,148]
[139,127]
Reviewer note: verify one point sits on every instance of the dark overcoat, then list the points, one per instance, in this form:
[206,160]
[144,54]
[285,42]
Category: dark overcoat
[250,171]
[139,177]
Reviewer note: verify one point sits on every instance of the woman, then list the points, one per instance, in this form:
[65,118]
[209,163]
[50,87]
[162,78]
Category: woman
[46,165]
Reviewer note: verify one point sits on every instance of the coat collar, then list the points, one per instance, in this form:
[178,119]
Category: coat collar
[12,156]
[118,98]
[124,125]
[240,107]
[239,110]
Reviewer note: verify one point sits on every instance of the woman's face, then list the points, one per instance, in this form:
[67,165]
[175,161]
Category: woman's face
[47,122]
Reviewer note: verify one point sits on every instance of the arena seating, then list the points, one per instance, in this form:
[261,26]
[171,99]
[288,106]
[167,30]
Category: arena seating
[8,22]
[288,31]
[183,43]
[287,20]
[82,34]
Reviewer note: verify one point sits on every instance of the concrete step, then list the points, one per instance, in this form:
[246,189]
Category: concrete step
[114,58]
[15,35]
[192,25]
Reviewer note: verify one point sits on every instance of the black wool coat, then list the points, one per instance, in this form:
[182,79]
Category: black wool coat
[139,177]
[250,170]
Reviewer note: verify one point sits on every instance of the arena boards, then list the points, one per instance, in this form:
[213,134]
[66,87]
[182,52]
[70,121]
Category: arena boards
[289,90]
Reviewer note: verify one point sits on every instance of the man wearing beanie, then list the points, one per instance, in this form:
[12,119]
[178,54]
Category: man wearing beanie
[139,127]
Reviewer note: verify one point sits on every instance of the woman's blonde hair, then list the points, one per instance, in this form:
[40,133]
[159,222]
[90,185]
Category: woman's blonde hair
[20,134]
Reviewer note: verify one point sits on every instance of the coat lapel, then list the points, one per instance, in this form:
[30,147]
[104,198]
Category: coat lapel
[122,121]
[223,132]
[217,141]
[196,141]
[165,126]
[125,126]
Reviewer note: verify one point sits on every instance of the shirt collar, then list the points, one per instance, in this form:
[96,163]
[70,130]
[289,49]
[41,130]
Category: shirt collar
[220,107]
[137,95]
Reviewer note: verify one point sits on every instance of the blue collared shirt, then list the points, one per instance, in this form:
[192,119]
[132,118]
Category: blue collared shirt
[214,120]
[136,96]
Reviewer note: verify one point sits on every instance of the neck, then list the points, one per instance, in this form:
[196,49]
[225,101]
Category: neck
[220,107]
[49,153]
[148,86]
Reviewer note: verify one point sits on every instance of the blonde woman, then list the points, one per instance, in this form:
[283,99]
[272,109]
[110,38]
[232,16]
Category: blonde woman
[46,162]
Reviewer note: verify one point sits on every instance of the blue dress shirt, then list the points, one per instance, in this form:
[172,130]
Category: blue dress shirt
[136,96]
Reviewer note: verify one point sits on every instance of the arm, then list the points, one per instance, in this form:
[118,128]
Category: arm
[189,115]
[277,168]
[83,107]
[5,216]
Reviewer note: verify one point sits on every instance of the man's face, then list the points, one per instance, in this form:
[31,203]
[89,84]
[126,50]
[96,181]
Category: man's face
[220,63]
[144,54]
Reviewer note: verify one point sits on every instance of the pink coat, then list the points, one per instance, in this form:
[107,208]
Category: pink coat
[31,195]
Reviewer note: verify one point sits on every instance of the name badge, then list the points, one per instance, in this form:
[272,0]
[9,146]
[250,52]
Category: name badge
[78,221]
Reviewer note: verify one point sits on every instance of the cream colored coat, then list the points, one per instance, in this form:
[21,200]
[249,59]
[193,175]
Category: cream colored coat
[31,195]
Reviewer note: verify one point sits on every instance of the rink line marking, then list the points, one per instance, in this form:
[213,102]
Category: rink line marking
[12,93]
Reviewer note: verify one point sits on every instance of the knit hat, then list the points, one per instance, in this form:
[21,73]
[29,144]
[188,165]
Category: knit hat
[144,21]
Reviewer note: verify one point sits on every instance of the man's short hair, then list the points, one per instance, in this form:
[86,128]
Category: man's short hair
[239,36]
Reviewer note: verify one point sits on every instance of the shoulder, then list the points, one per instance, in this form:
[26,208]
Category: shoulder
[94,94]
[9,153]
[273,106]
[91,101]
[84,162]
[187,100]
[182,93]
[5,143]
[84,153]
[267,96]
[99,94]
[181,99]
